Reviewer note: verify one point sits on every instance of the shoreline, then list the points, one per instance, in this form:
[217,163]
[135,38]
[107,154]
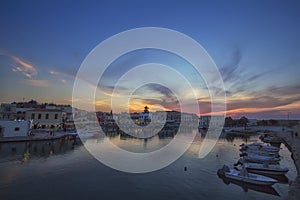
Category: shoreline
[293,144]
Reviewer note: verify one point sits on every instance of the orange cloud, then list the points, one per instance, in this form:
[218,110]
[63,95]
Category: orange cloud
[24,67]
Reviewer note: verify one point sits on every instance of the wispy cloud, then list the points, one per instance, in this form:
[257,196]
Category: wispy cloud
[229,71]
[38,83]
[53,72]
[166,93]
[64,81]
[23,67]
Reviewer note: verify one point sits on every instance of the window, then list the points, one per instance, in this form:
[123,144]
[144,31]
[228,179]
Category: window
[47,116]
[55,116]
[8,109]
[39,116]
[17,128]
[32,115]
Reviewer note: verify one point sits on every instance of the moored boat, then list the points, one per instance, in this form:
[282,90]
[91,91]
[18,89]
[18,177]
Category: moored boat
[244,176]
[258,146]
[259,152]
[273,169]
[261,158]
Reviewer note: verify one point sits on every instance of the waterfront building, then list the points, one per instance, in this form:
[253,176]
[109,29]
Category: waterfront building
[65,108]
[7,111]
[14,128]
[21,113]
[252,122]
[46,118]
[204,121]
[173,116]
[158,116]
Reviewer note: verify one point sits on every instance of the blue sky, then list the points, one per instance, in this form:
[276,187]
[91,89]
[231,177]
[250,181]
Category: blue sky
[255,44]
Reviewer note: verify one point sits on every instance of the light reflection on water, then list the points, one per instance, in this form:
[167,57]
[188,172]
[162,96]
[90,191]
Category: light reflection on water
[63,169]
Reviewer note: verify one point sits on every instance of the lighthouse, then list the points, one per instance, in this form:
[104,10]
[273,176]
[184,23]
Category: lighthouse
[145,117]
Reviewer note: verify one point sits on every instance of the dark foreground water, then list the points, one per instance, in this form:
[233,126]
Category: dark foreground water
[63,170]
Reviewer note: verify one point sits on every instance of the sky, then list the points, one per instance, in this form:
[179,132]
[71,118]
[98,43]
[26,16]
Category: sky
[254,44]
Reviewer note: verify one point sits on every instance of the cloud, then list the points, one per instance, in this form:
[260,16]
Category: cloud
[167,93]
[23,67]
[64,81]
[38,83]
[271,100]
[53,72]
[108,90]
[228,72]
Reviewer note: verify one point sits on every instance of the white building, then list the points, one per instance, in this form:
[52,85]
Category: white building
[44,118]
[65,108]
[205,121]
[14,128]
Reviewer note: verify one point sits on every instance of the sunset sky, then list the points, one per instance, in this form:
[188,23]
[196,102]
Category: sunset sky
[255,45]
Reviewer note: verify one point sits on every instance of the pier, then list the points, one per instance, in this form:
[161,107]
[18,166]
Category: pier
[293,144]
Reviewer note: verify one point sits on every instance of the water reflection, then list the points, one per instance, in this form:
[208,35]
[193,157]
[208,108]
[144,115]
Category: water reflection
[24,151]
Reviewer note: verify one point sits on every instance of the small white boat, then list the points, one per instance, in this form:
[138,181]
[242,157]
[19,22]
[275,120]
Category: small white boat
[258,146]
[261,158]
[272,169]
[244,176]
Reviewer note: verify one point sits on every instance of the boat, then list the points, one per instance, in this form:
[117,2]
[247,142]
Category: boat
[259,152]
[247,186]
[254,158]
[265,168]
[259,146]
[273,169]
[245,177]
[271,139]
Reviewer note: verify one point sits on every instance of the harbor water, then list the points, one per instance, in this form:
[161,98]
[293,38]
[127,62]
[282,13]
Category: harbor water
[64,169]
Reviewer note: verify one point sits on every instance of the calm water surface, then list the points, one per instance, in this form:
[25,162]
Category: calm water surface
[64,170]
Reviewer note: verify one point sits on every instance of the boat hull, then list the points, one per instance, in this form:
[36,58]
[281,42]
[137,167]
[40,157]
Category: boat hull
[247,180]
[265,171]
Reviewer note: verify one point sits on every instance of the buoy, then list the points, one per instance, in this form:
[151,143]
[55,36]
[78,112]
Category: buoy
[185,168]
[217,155]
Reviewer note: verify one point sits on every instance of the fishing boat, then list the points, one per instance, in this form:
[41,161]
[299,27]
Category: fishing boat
[245,177]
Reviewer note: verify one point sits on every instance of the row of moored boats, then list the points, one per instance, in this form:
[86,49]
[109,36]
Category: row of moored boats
[257,163]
